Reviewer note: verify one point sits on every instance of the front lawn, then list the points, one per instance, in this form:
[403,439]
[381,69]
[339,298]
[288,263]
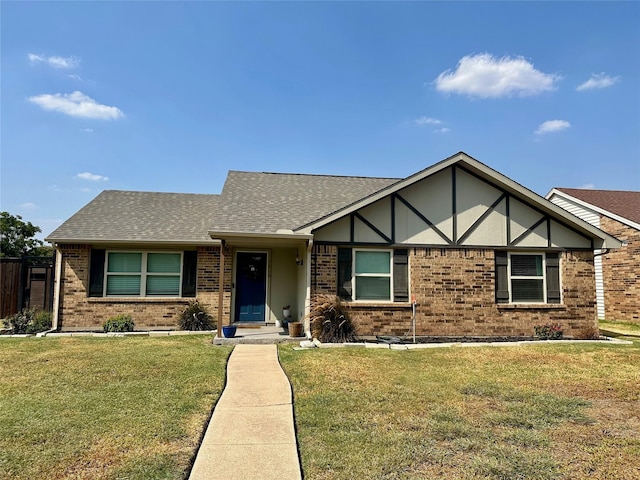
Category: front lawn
[535,412]
[109,408]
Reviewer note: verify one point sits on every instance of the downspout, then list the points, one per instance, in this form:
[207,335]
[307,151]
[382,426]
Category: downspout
[57,284]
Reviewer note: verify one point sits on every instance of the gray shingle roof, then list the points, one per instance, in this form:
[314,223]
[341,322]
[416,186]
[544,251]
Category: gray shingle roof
[141,216]
[266,202]
[250,202]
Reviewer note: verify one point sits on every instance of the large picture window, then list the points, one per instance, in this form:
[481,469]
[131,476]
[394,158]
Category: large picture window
[143,274]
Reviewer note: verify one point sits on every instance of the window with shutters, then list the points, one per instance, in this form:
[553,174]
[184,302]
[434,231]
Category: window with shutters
[373,275]
[527,277]
[145,274]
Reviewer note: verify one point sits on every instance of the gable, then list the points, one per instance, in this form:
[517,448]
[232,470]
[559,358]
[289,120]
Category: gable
[454,207]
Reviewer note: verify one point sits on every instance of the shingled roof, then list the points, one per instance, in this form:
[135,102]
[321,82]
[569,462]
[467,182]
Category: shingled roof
[266,202]
[623,203]
[125,216]
[250,202]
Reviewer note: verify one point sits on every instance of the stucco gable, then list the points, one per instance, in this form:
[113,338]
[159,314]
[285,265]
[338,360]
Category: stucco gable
[460,201]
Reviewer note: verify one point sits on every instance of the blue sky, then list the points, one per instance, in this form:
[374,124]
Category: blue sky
[169,96]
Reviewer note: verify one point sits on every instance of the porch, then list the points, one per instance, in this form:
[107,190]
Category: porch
[254,334]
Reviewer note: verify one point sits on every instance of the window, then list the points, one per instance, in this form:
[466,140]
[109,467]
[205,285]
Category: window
[373,275]
[143,274]
[527,277]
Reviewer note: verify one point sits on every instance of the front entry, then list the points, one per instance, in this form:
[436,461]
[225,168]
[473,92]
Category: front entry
[251,286]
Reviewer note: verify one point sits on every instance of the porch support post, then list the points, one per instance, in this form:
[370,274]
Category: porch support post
[221,290]
[307,296]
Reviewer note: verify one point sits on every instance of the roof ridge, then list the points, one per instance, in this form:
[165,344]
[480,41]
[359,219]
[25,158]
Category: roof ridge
[596,190]
[318,175]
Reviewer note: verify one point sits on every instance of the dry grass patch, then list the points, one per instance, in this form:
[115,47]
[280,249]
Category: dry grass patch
[105,408]
[468,413]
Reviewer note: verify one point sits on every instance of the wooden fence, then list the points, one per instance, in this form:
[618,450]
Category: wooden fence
[26,283]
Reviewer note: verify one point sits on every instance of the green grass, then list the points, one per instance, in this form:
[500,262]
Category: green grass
[619,328]
[134,408]
[535,412]
[105,407]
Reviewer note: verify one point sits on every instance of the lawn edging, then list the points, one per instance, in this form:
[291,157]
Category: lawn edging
[416,346]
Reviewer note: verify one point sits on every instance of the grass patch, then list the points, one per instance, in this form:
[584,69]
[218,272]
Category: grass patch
[535,412]
[105,407]
[619,328]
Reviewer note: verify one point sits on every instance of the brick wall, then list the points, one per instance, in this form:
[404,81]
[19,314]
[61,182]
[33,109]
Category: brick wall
[455,294]
[621,273]
[80,312]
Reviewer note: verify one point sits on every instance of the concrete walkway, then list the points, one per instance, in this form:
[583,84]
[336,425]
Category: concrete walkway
[251,433]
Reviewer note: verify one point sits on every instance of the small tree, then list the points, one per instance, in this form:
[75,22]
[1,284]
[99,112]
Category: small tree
[17,237]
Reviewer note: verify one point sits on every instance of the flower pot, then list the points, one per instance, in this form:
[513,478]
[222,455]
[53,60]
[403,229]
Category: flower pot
[229,331]
[295,329]
[286,312]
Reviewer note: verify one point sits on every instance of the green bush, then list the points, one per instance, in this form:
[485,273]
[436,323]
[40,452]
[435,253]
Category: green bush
[196,317]
[330,321]
[29,321]
[119,323]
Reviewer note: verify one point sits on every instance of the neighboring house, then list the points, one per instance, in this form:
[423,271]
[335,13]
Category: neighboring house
[617,271]
[480,254]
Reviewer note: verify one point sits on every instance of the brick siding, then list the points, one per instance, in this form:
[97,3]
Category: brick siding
[621,273]
[455,295]
[80,312]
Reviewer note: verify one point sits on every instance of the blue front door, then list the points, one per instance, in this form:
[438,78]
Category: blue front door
[251,286]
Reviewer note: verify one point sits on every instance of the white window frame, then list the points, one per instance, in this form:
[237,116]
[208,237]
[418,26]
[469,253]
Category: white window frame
[143,274]
[354,275]
[528,277]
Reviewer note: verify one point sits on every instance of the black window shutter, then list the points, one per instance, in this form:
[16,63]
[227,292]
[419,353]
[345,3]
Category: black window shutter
[345,289]
[400,276]
[189,273]
[502,279]
[96,272]
[553,278]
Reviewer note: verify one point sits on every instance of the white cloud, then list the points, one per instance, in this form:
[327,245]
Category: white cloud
[551,126]
[73,76]
[55,61]
[486,76]
[92,177]
[588,186]
[76,104]
[87,130]
[598,80]
[427,121]
[442,130]
[29,206]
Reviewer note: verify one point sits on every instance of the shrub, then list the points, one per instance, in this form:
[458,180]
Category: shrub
[29,321]
[590,332]
[41,322]
[330,321]
[196,317]
[550,331]
[119,323]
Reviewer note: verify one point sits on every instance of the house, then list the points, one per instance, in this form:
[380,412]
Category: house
[478,253]
[617,271]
